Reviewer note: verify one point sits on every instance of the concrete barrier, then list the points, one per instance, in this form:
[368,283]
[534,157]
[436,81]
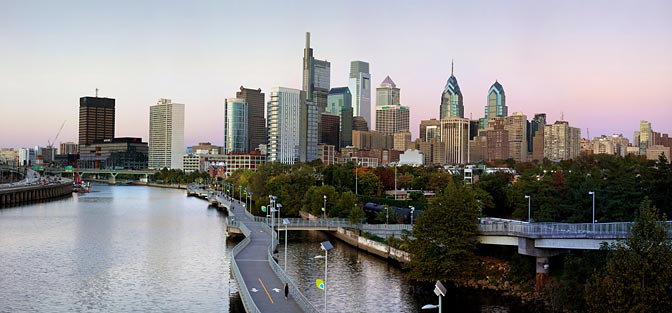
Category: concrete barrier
[27,194]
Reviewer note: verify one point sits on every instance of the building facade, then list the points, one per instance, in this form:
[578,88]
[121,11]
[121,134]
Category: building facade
[115,153]
[360,87]
[561,141]
[256,121]
[387,94]
[430,129]
[292,127]
[236,126]
[166,135]
[455,136]
[392,119]
[496,106]
[452,103]
[516,125]
[339,102]
[96,119]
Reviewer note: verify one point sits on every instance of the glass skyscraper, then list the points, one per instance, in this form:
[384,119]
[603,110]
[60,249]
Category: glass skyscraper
[235,126]
[496,106]
[339,103]
[292,126]
[452,103]
[360,88]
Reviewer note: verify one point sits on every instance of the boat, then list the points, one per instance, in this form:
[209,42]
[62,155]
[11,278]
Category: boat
[78,185]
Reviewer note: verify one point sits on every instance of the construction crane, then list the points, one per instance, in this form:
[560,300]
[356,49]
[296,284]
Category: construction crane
[51,144]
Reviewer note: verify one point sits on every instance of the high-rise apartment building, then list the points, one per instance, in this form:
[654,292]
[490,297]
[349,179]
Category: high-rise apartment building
[68,148]
[166,135]
[497,140]
[516,125]
[451,99]
[256,121]
[360,87]
[292,126]
[339,103]
[455,137]
[561,141]
[96,119]
[391,116]
[236,125]
[496,106]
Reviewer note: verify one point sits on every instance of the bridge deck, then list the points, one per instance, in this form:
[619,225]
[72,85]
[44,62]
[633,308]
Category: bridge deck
[256,271]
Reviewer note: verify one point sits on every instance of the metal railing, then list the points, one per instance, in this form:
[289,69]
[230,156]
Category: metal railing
[245,296]
[560,230]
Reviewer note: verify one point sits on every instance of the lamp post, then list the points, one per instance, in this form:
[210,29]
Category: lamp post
[286,222]
[440,291]
[324,208]
[356,175]
[387,215]
[592,193]
[529,211]
[326,246]
[412,211]
[395,181]
[277,220]
[271,209]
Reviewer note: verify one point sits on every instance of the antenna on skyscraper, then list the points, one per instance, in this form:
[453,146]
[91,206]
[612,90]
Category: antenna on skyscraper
[96,92]
[452,66]
[562,116]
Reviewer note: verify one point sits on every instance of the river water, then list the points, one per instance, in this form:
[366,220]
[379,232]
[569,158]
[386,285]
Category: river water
[143,249]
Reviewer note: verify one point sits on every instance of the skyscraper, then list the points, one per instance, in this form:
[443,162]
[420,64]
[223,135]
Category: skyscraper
[496,106]
[360,87]
[536,125]
[429,129]
[292,126]
[96,119]
[316,76]
[391,116]
[339,103]
[516,125]
[561,142]
[451,99]
[236,126]
[166,134]
[455,136]
[645,136]
[256,122]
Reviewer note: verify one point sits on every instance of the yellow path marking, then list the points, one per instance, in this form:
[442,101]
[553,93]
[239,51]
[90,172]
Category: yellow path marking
[268,294]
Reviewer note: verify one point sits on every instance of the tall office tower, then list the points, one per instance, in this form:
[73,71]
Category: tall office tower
[391,117]
[236,125]
[166,135]
[645,136]
[359,123]
[292,126]
[455,136]
[339,103]
[331,127]
[96,119]
[561,142]
[316,76]
[387,94]
[401,141]
[496,104]
[516,125]
[451,99]
[256,122]
[360,87]
[429,129]
[536,124]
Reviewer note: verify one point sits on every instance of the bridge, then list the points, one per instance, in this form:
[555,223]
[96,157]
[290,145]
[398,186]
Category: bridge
[540,240]
[144,173]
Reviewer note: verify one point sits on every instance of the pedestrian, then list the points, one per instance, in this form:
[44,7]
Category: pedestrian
[286,291]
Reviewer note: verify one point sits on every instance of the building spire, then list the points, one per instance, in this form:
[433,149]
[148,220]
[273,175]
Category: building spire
[452,66]
[307,40]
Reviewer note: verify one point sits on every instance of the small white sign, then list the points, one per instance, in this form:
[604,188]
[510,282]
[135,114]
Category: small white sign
[276,289]
[254,290]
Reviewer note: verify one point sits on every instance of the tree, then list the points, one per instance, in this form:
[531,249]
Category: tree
[356,215]
[368,183]
[638,274]
[445,236]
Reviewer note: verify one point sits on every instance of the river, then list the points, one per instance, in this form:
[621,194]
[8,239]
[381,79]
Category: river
[143,249]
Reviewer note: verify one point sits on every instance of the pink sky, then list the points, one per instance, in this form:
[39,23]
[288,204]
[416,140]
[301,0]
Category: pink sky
[605,64]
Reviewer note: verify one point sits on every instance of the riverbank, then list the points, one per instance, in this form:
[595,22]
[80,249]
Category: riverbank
[173,186]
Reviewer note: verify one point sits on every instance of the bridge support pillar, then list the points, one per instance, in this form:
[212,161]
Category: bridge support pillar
[144,178]
[113,178]
[541,278]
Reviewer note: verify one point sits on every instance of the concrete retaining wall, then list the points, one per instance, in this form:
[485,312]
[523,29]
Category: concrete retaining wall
[22,195]
[377,248]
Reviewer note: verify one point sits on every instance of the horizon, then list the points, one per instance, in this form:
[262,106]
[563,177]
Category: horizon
[604,65]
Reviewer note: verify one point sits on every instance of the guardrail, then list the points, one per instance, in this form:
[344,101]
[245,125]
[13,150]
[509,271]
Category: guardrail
[245,296]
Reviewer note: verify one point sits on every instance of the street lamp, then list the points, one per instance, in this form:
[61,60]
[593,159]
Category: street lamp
[395,181]
[356,175]
[277,221]
[529,211]
[412,210]
[387,215]
[286,222]
[440,291]
[324,208]
[326,246]
[592,193]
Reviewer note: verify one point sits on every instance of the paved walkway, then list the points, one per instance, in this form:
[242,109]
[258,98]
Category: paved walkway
[257,273]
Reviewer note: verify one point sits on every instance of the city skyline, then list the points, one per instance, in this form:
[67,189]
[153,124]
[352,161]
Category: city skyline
[603,65]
